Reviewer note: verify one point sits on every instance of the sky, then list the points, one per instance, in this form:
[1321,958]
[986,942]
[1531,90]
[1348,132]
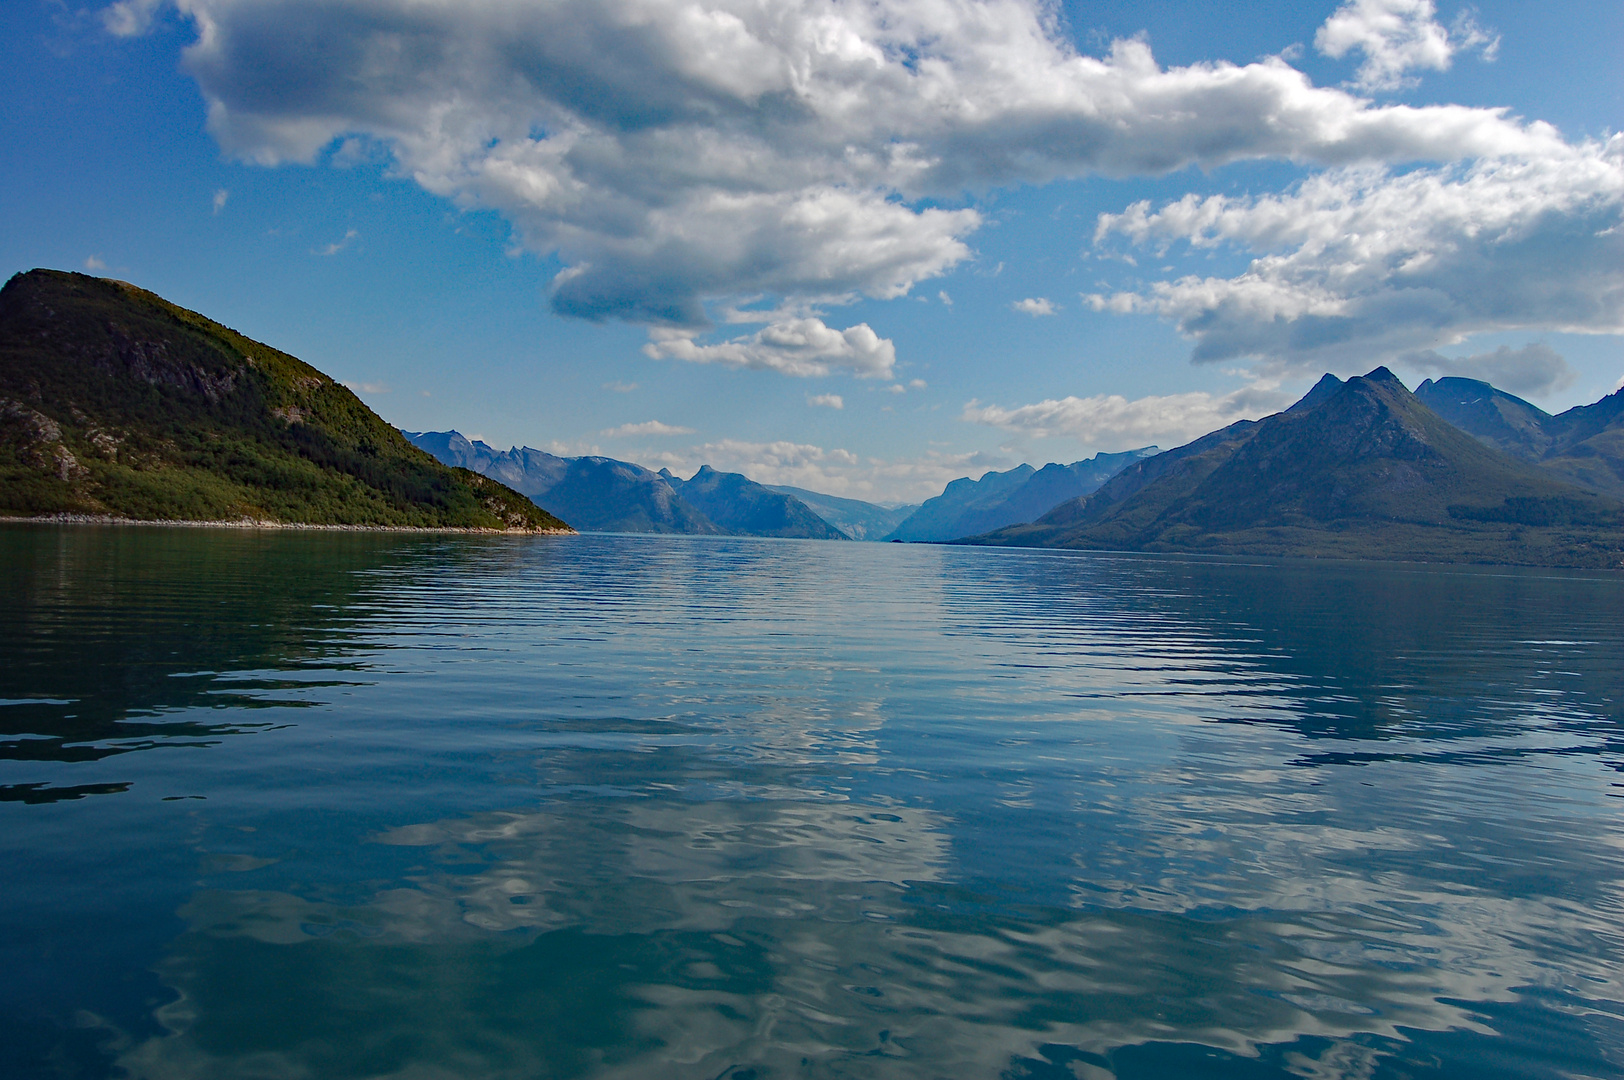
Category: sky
[859,246]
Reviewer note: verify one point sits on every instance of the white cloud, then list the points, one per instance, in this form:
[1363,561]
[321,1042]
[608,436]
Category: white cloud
[1533,370]
[917,384]
[94,262]
[619,387]
[338,245]
[941,295]
[130,18]
[1398,37]
[1034,306]
[368,387]
[672,154]
[802,347]
[1357,266]
[649,427]
[833,471]
[1113,422]
[220,197]
[827,401]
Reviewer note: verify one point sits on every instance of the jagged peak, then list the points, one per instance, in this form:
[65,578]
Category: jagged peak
[1327,385]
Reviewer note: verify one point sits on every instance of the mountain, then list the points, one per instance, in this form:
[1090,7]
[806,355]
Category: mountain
[937,518]
[1047,488]
[1584,445]
[857,519]
[601,494]
[114,401]
[598,494]
[1360,469]
[1500,419]
[740,505]
[972,507]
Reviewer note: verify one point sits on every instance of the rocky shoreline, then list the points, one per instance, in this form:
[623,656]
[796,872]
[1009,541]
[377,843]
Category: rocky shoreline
[261,523]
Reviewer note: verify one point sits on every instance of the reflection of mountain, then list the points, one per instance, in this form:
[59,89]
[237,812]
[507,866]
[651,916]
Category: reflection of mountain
[127,640]
[971,507]
[1355,470]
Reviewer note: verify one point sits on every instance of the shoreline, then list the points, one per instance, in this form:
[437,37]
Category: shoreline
[264,523]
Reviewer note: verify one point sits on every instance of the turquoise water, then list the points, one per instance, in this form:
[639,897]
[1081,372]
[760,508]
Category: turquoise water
[421,807]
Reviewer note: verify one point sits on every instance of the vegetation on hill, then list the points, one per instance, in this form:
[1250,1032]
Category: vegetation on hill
[1360,469]
[114,401]
[1584,445]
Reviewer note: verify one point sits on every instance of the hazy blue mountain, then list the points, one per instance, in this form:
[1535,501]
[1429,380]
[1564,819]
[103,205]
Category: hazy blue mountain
[857,519]
[603,495]
[1046,489]
[1500,419]
[740,505]
[971,507]
[937,518]
[1584,445]
[1360,469]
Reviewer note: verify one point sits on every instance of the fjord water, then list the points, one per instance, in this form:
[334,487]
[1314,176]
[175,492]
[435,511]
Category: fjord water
[348,805]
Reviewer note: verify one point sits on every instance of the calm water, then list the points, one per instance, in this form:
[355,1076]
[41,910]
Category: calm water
[345,806]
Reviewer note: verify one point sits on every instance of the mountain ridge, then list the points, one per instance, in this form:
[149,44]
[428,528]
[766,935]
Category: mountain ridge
[1359,469]
[117,403]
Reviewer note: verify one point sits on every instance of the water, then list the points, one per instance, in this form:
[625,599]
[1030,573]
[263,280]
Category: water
[422,807]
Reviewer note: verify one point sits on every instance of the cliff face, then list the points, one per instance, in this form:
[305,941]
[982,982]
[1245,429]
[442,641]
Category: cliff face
[115,401]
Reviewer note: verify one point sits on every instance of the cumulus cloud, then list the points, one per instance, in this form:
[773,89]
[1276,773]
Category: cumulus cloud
[826,401]
[220,197]
[672,154]
[649,427]
[1355,266]
[803,347]
[94,262]
[1034,306]
[130,18]
[1113,422]
[1398,37]
[1533,370]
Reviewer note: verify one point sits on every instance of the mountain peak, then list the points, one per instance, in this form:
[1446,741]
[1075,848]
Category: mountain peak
[1328,384]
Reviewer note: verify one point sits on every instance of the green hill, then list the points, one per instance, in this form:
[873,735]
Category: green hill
[114,401]
[1583,446]
[1355,470]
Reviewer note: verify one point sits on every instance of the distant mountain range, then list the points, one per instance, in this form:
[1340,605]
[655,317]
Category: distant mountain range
[600,494]
[1584,445]
[1361,469]
[115,402]
[971,507]
[857,519]
[740,505]
[604,495]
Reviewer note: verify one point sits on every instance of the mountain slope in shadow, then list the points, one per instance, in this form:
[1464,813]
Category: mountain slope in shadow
[1360,469]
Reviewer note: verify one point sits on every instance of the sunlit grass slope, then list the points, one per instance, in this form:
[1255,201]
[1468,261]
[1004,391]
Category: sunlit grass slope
[115,401]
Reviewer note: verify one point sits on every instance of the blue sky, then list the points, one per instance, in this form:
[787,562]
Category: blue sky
[863,247]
